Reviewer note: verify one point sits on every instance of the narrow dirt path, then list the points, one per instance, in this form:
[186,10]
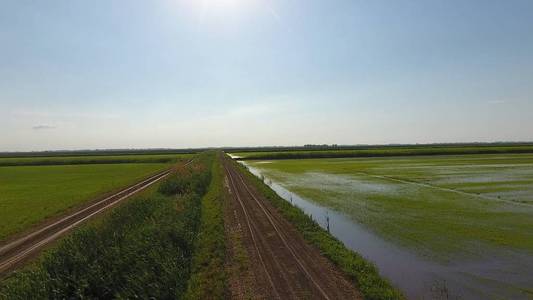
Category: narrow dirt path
[16,252]
[283,264]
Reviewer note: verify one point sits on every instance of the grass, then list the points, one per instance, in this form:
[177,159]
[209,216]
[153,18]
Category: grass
[386,151]
[104,152]
[30,194]
[363,273]
[92,159]
[441,206]
[143,249]
[208,279]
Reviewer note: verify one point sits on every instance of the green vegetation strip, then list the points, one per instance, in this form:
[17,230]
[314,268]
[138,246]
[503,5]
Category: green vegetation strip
[143,249]
[208,279]
[98,159]
[364,274]
[385,151]
[31,194]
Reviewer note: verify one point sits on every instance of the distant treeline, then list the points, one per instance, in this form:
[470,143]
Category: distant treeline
[323,147]
[112,152]
[389,151]
[82,161]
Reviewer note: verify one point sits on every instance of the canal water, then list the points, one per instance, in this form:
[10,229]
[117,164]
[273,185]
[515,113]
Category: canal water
[489,277]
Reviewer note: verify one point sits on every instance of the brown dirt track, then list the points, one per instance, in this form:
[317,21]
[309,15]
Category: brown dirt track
[281,264]
[16,251]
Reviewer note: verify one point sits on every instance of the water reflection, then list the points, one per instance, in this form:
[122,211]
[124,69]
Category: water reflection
[417,277]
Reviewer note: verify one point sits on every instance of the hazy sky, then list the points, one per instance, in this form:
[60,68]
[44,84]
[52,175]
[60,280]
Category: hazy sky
[191,73]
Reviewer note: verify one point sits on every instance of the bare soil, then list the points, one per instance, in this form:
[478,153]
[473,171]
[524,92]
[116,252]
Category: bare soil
[279,263]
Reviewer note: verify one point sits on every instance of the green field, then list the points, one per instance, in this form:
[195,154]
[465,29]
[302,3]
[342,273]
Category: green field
[441,206]
[166,243]
[92,159]
[29,194]
[385,151]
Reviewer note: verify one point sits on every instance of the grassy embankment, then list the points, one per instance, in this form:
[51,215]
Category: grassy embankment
[208,279]
[363,273]
[146,248]
[29,194]
[441,207]
[386,151]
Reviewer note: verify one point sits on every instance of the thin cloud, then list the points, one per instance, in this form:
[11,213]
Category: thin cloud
[43,127]
[495,102]
[63,115]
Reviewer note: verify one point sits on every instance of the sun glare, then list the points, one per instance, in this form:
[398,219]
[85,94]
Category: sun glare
[222,3]
[223,6]
[219,13]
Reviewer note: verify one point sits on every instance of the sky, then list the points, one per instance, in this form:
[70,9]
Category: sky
[195,73]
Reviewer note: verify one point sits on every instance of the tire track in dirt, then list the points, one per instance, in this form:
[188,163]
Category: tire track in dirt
[293,269]
[14,253]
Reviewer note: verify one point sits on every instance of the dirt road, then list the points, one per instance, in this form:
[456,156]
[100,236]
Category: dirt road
[15,252]
[283,264]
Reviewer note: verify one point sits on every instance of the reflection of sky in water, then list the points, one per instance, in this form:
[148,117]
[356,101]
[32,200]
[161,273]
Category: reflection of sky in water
[512,182]
[343,183]
[490,275]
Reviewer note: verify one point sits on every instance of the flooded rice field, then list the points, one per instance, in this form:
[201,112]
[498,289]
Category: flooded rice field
[456,225]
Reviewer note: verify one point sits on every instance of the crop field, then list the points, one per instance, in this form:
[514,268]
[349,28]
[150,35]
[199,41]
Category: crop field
[145,248]
[29,194]
[460,221]
[92,159]
[384,151]
[447,209]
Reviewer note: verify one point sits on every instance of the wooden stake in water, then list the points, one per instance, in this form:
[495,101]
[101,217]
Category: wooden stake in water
[327,220]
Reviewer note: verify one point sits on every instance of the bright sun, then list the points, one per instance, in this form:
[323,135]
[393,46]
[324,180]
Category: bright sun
[220,12]
[222,4]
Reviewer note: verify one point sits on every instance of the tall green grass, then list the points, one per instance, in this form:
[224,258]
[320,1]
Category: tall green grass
[208,280]
[143,249]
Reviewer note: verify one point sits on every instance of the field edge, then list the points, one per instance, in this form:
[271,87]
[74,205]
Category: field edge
[363,273]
